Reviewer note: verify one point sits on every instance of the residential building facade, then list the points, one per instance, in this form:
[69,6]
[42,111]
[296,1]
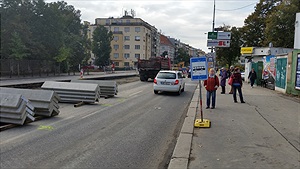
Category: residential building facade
[166,45]
[133,39]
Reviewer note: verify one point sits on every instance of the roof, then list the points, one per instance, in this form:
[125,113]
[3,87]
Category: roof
[165,41]
[169,71]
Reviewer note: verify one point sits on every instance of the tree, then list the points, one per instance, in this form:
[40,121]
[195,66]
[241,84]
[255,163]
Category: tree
[229,56]
[183,56]
[18,49]
[280,25]
[101,45]
[254,25]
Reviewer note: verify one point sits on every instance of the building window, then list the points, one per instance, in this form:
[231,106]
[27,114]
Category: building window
[107,21]
[126,55]
[137,38]
[116,55]
[126,37]
[137,47]
[116,38]
[116,29]
[116,63]
[137,55]
[137,29]
[126,46]
[116,47]
[126,63]
[127,29]
[127,21]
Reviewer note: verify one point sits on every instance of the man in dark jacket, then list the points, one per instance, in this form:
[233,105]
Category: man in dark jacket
[223,80]
[231,70]
[252,76]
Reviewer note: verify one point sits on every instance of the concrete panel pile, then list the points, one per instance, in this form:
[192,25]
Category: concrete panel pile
[45,102]
[74,92]
[107,88]
[15,109]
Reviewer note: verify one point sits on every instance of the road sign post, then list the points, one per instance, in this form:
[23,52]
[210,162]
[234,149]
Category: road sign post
[199,72]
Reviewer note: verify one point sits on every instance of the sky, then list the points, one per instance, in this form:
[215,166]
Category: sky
[187,20]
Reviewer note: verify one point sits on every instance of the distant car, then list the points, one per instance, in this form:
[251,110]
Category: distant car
[169,81]
[243,76]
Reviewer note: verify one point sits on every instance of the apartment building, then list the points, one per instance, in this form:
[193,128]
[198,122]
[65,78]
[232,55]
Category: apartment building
[166,45]
[133,38]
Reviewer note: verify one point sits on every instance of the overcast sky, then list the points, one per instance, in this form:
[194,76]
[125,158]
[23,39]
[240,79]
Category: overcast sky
[187,20]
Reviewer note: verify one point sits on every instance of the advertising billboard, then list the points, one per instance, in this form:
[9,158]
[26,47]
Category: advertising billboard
[297,83]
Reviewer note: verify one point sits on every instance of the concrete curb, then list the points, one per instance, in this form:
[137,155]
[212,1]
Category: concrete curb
[181,153]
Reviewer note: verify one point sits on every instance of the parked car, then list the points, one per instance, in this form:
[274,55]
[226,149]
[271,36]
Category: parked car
[169,81]
[189,73]
[243,76]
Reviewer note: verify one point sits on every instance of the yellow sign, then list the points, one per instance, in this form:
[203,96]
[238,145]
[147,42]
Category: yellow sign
[247,50]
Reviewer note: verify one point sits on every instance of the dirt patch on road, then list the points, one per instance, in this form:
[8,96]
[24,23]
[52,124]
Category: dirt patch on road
[127,80]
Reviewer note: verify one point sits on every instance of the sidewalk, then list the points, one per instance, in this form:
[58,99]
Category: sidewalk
[262,133]
[62,77]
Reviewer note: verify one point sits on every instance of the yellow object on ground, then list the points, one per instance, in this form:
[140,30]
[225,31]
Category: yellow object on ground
[202,124]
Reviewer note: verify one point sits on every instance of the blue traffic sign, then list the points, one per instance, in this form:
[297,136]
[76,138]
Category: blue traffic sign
[199,68]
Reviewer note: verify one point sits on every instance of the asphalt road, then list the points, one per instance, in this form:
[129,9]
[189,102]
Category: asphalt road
[136,129]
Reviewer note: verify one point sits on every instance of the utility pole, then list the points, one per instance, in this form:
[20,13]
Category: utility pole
[213,29]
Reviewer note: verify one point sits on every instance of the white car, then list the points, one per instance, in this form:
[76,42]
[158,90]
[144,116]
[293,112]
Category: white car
[169,81]
[243,76]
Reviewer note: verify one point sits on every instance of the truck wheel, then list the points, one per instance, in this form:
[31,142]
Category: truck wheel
[146,78]
[142,78]
[155,92]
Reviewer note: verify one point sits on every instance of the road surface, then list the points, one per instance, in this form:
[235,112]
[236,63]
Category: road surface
[136,129]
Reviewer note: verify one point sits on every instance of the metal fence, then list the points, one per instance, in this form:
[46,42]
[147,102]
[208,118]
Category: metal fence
[10,68]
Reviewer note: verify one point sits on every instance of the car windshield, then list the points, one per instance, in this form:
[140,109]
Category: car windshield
[166,75]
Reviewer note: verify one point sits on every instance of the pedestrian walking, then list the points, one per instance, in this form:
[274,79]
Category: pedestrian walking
[211,85]
[231,70]
[223,79]
[252,77]
[237,85]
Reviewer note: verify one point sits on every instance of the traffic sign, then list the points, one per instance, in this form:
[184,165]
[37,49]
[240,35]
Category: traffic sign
[224,35]
[218,43]
[212,35]
[199,68]
[219,35]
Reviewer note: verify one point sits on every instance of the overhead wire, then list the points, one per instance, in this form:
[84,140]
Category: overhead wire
[236,8]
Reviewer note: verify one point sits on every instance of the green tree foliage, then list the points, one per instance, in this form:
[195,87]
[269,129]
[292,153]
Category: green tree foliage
[183,56]
[229,56]
[272,21]
[51,31]
[101,45]
[280,25]
[17,47]
[255,25]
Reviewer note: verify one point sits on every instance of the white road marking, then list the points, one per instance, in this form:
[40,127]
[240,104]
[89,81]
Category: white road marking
[135,93]
[88,115]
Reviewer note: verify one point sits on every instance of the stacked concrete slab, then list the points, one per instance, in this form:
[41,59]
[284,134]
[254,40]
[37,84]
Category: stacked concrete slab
[15,109]
[45,102]
[74,92]
[107,88]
